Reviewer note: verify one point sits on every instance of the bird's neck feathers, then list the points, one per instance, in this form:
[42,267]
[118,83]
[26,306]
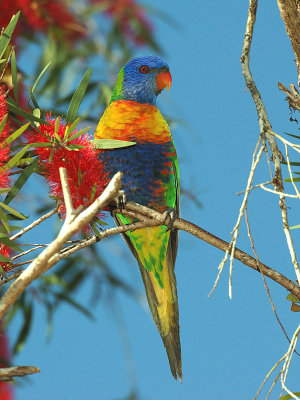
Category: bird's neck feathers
[128,89]
[118,90]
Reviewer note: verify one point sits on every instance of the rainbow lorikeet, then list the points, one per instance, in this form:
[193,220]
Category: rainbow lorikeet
[150,178]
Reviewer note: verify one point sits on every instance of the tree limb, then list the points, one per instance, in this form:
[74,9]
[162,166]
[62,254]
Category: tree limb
[47,258]
[266,129]
[7,374]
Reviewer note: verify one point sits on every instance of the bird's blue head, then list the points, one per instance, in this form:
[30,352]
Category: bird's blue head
[142,79]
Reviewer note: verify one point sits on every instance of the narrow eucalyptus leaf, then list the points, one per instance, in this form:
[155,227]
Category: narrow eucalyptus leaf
[111,143]
[20,182]
[78,97]
[6,35]
[39,77]
[16,134]
[14,74]
[14,160]
[12,211]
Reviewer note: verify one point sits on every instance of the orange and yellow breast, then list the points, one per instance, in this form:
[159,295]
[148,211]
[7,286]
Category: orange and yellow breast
[128,120]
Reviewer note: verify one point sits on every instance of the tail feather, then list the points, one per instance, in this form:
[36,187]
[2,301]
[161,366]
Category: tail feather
[163,302]
[167,320]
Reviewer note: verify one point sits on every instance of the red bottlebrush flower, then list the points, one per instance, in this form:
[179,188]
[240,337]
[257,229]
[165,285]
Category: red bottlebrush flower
[4,150]
[41,15]
[6,392]
[5,251]
[85,171]
[129,14]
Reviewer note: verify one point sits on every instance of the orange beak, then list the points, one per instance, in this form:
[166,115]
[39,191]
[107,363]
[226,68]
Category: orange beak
[163,79]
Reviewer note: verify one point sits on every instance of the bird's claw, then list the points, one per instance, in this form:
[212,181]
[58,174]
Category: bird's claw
[121,200]
[169,218]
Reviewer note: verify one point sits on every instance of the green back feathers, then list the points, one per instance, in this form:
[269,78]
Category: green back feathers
[118,90]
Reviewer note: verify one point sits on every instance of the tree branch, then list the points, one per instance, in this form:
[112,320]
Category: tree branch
[47,258]
[7,374]
[290,14]
[266,129]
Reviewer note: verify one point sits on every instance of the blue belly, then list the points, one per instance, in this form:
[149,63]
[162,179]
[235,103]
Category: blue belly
[142,166]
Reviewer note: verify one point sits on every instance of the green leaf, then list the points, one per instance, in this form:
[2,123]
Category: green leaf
[288,396]
[14,160]
[93,192]
[37,113]
[20,182]
[12,211]
[294,179]
[78,134]
[293,298]
[78,97]
[75,147]
[95,230]
[14,74]
[33,99]
[4,259]
[68,299]
[71,128]
[39,77]
[5,240]
[58,138]
[2,272]
[295,227]
[111,143]
[41,144]
[6,35]
[16,134]
[30,117]
[295,136]
[3,218]
[2,124]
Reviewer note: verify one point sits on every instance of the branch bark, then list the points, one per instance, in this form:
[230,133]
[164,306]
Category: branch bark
[290,14]
[72,225]
[266,129]
[7,374]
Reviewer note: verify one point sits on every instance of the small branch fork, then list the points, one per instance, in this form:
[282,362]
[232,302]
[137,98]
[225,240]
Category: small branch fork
[74,222]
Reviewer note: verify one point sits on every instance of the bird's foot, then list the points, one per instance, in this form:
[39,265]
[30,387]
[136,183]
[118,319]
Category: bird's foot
[169,218]
[120,200]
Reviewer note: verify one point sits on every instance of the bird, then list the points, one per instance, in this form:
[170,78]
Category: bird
[150,178]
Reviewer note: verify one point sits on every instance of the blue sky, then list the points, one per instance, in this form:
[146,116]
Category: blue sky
[227,345]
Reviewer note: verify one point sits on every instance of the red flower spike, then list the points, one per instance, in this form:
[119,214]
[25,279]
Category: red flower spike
[40,16]
[5,251]
[85,172]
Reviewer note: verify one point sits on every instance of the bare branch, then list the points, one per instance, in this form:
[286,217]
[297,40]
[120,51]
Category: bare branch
[34,224]
[46,260]
[290,14]
[266,129]
[7,374]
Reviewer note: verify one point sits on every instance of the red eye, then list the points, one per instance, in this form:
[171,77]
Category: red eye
[144,69]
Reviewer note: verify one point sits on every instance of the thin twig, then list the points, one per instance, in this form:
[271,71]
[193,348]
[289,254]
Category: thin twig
[33,224]
[255,187]
[268,376]
[263,277]
[46,259]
